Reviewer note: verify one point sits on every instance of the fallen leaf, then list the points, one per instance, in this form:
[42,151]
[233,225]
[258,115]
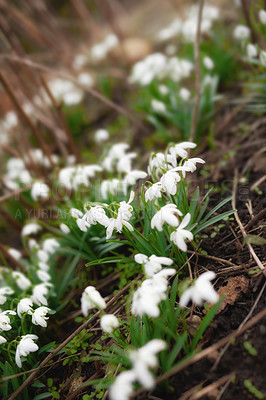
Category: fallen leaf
[236,285]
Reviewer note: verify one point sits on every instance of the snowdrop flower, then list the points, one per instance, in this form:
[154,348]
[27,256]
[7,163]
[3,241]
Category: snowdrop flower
[43,266]
[30,229]
[171,178]
[168,214]
[5,322]
[64,228]
[25,346]
[42,256]
[171,30]
[157,161]
[180,234]
[3,291]
[154,192]
[91,298]
[123,216]
[33,244]
[111,186]
[39,293]
[158,106]
[263,58]
[184,94]
[124,163]
[208,63]
[50,245]
[75,213]
[101,135]
[97,215]
[43,275]
[80,60]
[22,282]
[262,16]
[39,316]
[241,32]
[116,152]
[252,51]
[145,358]
[85,79]
[40,191]
[133,176]
[163,90]
[190,165]
[122,387]
[15,253]
[152,264]
[201,291]
[179,150]
[109,322]
[83,224]
[25,305]
[2,340]
[100,51]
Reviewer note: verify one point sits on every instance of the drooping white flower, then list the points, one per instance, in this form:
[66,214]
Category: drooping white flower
[91,298]
[168,214]
[2,340]
[133,176]
[252,51]
[99,51]
[21,280]
[50,245]
[40,292]
[75,213]
[179,150]
[156,162]
[101,135]
[201,291]
[109,322]
[190,165]
[25,346]
[122,387]
[170,179]
[97,215]
[144,359]
[115,153]
[40,191]
[158,106]
[42,255]
[163,90]
[30,228]
[15,253]
[43,275]
[85,79]
[124,163]
[110,186]
[262,16]
[33,245]
[241,32]
[208,63]
[83,224]
[4,322]
[184,94]
[3,291]
[39,316]
[25,305]
[64,228]
[180,234]
[152,264]
[123,216]
[154,192]
[263,58]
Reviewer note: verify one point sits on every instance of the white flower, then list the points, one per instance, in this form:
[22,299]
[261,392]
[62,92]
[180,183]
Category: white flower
[158,106]
[166,214]
[184,94]
[33,244]
[15,253]
[91,298]
[30,229]
[75,213]
[190,165]
[43,275]
[50,245]
[64,228]
[5,290]
[262,16]
[156,161]
[152,291]
[25,346]
[132,177]
[111,186]
[2,340]
[145,358]
[201,291]
[116,152]
[123,216]
[180,234]
[263,58]
[152,264]
[21,280]
[40,191]
[163,90]
[101,135]
[39,293]
[4,322]
[82,223]
[85,79]
[39,316]
[25,305]
[122,387]
[124,163]
[42,256]
[208,63]
[109,322]
[154,192]
[180,151]
[241,32]
[252,51]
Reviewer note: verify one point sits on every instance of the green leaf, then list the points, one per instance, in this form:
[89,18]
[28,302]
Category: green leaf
[254,239]
[213,220]
[42,396]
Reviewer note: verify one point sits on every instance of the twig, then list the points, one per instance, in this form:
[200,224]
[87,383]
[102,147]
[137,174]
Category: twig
[197,78]
[214,385]
[244,233]
[258,182]
[218,259]
[14,193]
[11,258]
[204,353]
[255,219]
[65,342]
